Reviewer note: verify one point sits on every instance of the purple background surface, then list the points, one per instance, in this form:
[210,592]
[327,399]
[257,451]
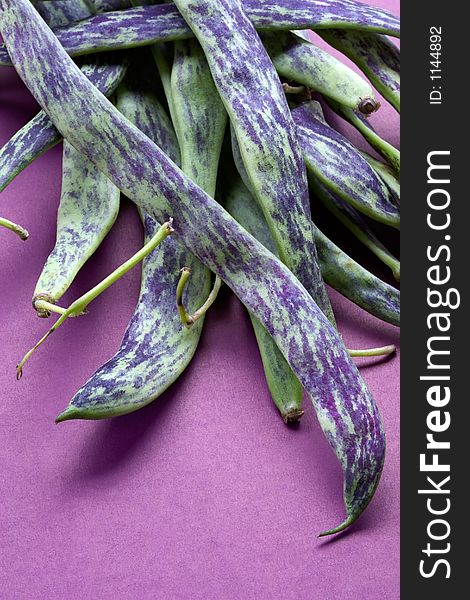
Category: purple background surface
[205,493]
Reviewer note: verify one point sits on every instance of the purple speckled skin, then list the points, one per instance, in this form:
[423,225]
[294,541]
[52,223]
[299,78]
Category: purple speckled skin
[338,164]
[58,13]
[156,348]
[160,23]
[356,283]
[255,102]
[40,133]
[345,408]
[354,221]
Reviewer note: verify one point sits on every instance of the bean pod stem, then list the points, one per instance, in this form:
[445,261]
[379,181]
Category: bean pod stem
[186,318]
[20,231]
[78,306]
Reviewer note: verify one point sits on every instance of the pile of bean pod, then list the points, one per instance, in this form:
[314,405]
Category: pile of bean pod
[208,114]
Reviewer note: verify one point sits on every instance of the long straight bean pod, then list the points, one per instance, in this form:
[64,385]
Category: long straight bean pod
[376,56]
[284,387]
[260,117]
[340,167]
[144,25]
[346,410]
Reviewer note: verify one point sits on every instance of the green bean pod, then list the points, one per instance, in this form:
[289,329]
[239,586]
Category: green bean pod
[284,387]
[301,61]
[376,56]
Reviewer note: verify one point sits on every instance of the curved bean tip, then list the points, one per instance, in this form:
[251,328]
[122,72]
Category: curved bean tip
[367,106]
[23,233]
[19,372]
[344,525]
[71,412]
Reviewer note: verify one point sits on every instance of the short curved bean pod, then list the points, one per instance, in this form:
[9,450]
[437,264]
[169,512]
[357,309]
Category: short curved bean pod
[346,410]
[340,167]
[376,56]
[301,61]
[146,25]
[155,348]
[89,205]
[40,134]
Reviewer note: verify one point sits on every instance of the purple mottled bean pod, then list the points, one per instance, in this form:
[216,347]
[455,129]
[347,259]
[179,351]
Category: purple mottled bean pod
[340,167]
[146,25]
[58,13]
[345,408]
[261,120]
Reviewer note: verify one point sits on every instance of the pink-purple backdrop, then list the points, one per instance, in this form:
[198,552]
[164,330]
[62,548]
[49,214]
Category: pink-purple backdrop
[205,494]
